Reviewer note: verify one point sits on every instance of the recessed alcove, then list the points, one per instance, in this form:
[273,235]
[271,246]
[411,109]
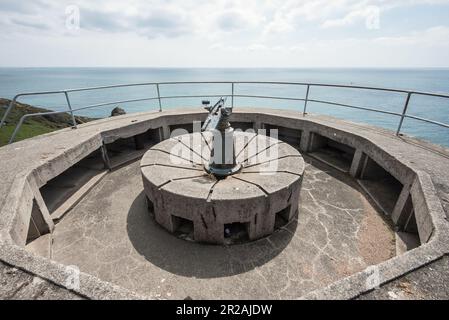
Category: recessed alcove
[333,153]
[288,135]
[37,226]
[407,237]
[281,218]
[124,150]
[236,232]
[65,190]
[182,227]
[383,188]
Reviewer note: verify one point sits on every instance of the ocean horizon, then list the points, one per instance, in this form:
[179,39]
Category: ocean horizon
[15,80]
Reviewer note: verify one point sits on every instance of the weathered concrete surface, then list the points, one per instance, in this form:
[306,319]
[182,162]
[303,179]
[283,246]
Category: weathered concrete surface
[178,186]
[20,285]
[428,283]
[336,234]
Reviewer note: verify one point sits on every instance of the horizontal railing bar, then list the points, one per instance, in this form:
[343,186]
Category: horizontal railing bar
[24,117]
[315,85]
[290,83]
[238,96]
[355,107]
[268,97]
[157,84]
[441,95]
[144,84]
[114,102]
[325,85]
[196,96]
[38,93]
[113,86]
[228,95]
[427,120]
[85,107]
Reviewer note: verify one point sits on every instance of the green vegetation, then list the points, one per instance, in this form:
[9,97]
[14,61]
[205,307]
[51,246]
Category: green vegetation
[33,126]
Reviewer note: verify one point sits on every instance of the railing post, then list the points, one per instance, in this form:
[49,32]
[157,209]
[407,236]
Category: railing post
[305,101]
[404,112]
[11,105]
[70,108]
[159,97]
[16,129]
[232,96]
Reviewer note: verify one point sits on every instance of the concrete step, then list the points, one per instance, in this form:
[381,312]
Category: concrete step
[75,198]
[381,193]
[58,190]
[332,159]
[118,156]
[126,157]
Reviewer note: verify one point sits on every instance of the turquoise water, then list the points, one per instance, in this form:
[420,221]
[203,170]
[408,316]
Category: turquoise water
[18,80]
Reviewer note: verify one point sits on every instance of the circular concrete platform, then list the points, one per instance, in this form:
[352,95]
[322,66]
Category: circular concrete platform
[245,206]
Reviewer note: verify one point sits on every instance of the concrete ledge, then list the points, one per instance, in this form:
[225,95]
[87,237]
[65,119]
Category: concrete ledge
[420,166]
[89,286]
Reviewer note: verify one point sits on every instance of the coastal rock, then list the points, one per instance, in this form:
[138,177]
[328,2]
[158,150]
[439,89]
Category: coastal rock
[117,111]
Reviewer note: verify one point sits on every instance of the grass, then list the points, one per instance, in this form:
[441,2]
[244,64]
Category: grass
[33,126]
[27,130]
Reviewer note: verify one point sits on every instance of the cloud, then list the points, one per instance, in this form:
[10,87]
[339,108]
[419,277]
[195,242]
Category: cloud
[251,29]
[232,20]
[432,37]
[156,22]
[290,15]
[15,6]
[164,22]
[370,15]
[30,24]
[258,48]
[101,20]
[204,18]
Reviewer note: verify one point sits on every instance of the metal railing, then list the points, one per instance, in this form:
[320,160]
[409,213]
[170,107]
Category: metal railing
[157,85]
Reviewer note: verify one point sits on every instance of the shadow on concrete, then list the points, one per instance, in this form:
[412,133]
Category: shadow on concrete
[190,259]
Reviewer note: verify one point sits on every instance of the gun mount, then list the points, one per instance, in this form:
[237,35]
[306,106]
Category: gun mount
[222,158]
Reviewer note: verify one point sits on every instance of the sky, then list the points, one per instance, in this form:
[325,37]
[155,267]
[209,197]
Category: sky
[219,33]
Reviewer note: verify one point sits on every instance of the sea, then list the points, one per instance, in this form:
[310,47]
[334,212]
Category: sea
[21,80]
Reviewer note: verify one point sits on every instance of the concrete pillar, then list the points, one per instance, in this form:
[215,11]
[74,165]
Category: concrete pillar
[316,141]
[422,206]
[38,225]
[294,200]
[257,125]
[139,141]
[371,170]
[403,208]
[42,215]
[105,157]
[305,140]
[160,134]
[261,226]
[206,229]
[357,163]
[165,132]
[163,218]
